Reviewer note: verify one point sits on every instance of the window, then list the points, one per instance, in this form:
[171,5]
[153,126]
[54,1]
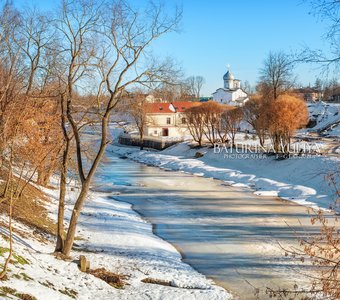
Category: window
[184,120]
[168,121]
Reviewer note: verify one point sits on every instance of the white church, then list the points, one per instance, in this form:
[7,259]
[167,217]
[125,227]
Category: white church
[231,93]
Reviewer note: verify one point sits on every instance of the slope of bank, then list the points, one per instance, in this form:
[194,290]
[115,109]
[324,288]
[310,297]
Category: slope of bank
[302,179]
[112,236]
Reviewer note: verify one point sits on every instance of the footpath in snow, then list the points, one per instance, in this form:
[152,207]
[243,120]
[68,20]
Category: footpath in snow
[302,180]
[112,236]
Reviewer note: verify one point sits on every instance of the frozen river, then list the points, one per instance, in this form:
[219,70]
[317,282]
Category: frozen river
[226,233]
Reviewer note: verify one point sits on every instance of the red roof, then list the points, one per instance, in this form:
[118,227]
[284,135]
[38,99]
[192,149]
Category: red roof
[168,108]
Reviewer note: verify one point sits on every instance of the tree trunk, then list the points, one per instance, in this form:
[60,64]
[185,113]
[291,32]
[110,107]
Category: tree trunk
[7,182]
[85,187]
[62,193]
[277,143]
[261,139]
[141,142]
[74,219]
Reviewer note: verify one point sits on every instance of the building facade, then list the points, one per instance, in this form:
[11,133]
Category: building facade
[167,119]
[231,93]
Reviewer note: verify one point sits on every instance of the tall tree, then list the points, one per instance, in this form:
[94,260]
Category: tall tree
[255,114]
[195,123]
[212,112]
[231,121]
[195,84]
[137,109]
[33,38]
[111,41]
[276,74]
[286,114]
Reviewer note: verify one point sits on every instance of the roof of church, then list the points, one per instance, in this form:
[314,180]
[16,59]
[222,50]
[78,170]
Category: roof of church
[228,76]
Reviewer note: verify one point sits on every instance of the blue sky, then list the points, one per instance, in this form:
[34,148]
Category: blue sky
[239,33]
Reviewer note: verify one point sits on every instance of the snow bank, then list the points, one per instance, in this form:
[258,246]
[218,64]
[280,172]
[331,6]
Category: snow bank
[325,114]
[115,237]
[301,180]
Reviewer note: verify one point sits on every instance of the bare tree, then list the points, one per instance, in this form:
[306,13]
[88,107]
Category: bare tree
[194,84]
[116,54]
[321,250]
[286,114]
[137,109]
[330,88]
[195,123]
[246,86]
[231,121]
[222,130]
[26,152]
[33,38]
[64,168]
[173,92]
[166,92]
[326,11]
[10,56]
[255,114]
[212,112]
[276,74]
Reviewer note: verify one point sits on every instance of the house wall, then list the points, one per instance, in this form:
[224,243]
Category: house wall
[172,131]
[158,122]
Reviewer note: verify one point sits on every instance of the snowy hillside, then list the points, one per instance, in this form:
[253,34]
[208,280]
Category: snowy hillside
[325,115]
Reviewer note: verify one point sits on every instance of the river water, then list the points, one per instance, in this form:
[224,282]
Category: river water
[226,233]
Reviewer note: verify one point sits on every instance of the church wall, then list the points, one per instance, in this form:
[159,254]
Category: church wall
[225,96]
[231,84]
[238,94]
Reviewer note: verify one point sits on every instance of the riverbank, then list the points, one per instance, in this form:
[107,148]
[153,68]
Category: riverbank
[301,180]
[112,236]
[227,233]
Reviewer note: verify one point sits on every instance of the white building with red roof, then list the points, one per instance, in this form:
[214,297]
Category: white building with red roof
[167,119]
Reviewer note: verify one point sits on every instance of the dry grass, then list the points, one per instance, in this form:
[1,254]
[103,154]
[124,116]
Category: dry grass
[113,279]
[30,210]
[156,281]
[7,291]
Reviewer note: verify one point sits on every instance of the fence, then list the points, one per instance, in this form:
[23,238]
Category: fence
[158,143]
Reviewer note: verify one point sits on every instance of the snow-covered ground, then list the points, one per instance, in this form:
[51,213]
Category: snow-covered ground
[301,180]
[334,131]
[115,237]
[325,114]
[111,235]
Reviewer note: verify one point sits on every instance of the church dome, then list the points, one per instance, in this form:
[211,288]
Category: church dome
[228,76]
